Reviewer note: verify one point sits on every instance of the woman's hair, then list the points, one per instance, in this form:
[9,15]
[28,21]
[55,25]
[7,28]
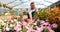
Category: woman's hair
[32,3]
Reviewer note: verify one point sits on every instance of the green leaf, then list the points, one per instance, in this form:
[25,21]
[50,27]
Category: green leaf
[31,24]
[38,24]
[24,29]
[45,30]
[0,5]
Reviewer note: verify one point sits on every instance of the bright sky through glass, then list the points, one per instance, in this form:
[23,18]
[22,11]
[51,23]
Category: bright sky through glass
[25,3]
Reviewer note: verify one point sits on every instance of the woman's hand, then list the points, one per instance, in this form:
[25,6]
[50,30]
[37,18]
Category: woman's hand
[30,15]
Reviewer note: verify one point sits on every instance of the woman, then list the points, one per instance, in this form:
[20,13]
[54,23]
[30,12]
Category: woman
[32,10]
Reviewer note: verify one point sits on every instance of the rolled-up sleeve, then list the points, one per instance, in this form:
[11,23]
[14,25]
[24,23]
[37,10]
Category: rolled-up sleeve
[29,11]
[36,9]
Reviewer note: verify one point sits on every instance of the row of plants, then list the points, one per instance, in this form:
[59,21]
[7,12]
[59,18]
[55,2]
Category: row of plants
[52,16]
[22,24]
[44,21]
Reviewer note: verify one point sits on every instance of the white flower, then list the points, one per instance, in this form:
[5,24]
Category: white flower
[5,20]
[35,24]
[18,16]
[15,20]
[6,13]
[11,25]
[7,29]
[3,23]
[12,21]
[18,29]
[0,30]
[1,20]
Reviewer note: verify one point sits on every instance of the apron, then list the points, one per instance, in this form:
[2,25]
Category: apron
[33,14]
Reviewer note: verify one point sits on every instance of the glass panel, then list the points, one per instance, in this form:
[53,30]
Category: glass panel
[3,11]
[40,2]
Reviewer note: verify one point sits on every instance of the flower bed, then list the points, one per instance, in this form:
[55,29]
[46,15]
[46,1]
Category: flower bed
[45,21]
[17,24]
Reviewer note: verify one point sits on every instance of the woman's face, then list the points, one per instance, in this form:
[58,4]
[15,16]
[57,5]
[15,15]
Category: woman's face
[32,6]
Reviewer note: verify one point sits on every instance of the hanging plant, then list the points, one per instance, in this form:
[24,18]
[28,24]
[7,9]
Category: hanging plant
[8,6]
[0,5]
[10,9]
[4,5]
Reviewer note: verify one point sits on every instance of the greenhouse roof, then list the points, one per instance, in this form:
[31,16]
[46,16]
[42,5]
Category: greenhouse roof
[25,3]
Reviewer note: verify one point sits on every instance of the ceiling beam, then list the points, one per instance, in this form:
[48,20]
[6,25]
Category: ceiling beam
[48,1]
[12,2]
[16,5]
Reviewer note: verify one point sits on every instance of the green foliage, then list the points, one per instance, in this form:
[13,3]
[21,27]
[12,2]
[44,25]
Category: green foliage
[35,27]
[42,15]
[4,5]
[45,30]
[24,29]
[31,24]
[0,5]
[38,24]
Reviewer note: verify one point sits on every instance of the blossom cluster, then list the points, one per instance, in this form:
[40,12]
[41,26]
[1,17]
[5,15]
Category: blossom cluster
[14,24]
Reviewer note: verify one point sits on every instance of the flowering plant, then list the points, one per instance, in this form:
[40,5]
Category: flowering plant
[10,24]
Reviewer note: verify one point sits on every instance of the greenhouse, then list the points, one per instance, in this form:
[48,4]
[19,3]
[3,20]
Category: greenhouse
[29,15]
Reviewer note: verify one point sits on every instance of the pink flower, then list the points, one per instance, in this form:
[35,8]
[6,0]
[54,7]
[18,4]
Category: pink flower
[29,20]
[9,19]
[54,25]
[40,29]
[50,30]
[37,31]
[17,24]
[41,21]
[17,28]
[2,19]
[24,23]
[46,24]
[29,28]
